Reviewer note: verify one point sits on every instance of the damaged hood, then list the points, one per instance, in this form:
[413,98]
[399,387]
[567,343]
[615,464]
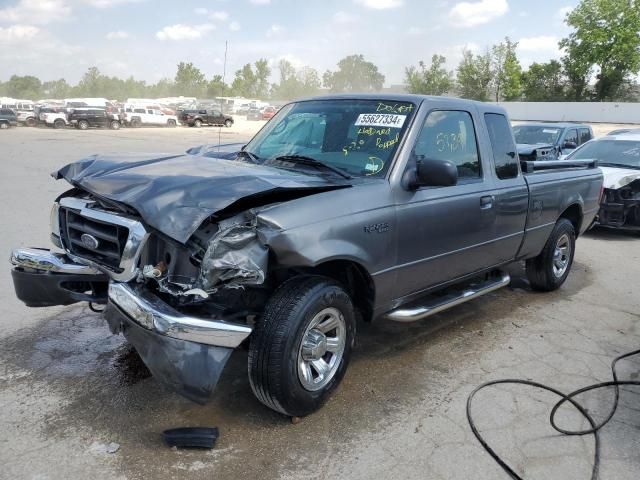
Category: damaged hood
[176,193]
[619,177]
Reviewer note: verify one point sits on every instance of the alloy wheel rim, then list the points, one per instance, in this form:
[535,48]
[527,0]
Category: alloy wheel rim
[561,256]
[321,349]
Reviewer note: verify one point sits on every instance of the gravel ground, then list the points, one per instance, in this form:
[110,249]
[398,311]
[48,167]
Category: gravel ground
[76,403]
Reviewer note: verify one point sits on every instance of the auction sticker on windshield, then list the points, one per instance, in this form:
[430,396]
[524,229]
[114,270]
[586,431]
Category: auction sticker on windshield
[380,120]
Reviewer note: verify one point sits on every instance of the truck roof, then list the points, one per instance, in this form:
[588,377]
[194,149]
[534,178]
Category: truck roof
[557,124]
[408,97]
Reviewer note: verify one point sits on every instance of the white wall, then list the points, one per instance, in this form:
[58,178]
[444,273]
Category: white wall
[593,112]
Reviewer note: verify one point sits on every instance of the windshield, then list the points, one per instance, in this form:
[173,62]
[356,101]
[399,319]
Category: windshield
[623,153]
[358,137]
[535,134]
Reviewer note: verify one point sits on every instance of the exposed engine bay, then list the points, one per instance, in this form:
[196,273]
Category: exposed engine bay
[620,207]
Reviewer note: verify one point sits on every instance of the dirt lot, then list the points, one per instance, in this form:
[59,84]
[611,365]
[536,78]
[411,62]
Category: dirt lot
[68,388]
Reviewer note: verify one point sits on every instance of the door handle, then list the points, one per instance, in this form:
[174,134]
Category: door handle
[486,202]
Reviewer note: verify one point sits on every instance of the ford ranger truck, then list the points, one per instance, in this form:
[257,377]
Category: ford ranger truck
[342,208]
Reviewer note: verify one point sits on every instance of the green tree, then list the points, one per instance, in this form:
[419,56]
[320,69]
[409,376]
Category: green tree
[474,76]
[295,83]
[216,87]
[56,88]
[252,83]
[90,84]
[606,35]
[544,82]
[23,87]
[434,80]
[507,71]
[354,74]
[190,81]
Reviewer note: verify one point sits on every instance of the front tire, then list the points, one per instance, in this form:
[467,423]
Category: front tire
[4,125]
[300,348]
[228,123]
[59,123]
[171,124]
[549,270]
[115,125]
[197,123]
[31,122]
[83,125]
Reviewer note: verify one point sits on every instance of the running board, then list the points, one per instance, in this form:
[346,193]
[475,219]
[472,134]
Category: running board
[437,305]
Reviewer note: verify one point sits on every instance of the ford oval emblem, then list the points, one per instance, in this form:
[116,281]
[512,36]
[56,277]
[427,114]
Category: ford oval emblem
[89,241]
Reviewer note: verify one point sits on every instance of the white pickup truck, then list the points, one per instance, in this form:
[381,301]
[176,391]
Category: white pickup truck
[139,116]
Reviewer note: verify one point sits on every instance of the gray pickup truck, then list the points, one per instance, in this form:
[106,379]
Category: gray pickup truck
[342,208]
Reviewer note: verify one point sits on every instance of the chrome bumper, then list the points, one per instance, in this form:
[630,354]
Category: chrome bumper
[47,261]
[153,314]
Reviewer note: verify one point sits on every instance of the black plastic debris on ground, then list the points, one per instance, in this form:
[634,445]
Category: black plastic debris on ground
[191,437]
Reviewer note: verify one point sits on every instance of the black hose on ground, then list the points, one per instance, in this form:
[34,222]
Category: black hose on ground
[595,427]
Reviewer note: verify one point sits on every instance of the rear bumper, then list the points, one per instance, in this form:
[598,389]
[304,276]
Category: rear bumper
[187,354]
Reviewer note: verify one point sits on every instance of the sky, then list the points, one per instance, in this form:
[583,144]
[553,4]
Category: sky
[54,39]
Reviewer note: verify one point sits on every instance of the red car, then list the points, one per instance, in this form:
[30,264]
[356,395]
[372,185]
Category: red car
[268,113]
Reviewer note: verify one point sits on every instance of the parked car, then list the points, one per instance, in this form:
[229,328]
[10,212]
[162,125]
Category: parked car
[26,118]
[86,117]
[268,113]
[547,141]
[56,119]
[350,206]
[254,113]
[620,131]
[199,117]
[41,113]
[8,118]
[138,117]
[619,159]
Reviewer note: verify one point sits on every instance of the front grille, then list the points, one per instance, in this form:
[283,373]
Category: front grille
[111,238]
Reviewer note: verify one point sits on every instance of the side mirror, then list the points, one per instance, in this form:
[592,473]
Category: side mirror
[570,145]
[431,173]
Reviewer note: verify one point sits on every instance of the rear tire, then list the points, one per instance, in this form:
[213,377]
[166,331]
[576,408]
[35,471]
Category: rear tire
[59,123]
[114,125]
[306,311]
[549,270]
[4,125]
[31,122]
[171,123]
[228,123]
[197,123]
[83,124]
[135,123]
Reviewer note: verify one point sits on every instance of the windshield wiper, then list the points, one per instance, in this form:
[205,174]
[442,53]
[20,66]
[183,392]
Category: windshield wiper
[249,155]
[303,159]
[619,165]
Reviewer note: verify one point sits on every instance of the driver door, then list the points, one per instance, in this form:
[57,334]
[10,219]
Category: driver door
[447,232]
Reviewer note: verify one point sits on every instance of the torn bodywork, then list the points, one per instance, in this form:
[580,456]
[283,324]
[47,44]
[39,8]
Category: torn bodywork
[620,207]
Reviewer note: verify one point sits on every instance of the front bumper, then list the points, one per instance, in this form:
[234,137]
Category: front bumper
[43,279]
[187,354]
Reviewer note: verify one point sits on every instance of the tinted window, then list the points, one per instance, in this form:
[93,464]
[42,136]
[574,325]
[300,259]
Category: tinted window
[138,110]
[585,135]
[449,135]
[504,150]
[572,136]
[216,113]
[620,153]
[150,112]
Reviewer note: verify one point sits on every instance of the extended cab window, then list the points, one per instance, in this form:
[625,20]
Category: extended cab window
[571,137]
[449,135]
[504,150]
[585,135]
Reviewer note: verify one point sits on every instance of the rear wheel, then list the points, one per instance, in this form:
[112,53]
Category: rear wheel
[197,123]
[31,122]
[549,270]
[59,123]
[228,123]
[83,124]
[114,125]
[4,125]
[171,123]
[301,346]
[135,123]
